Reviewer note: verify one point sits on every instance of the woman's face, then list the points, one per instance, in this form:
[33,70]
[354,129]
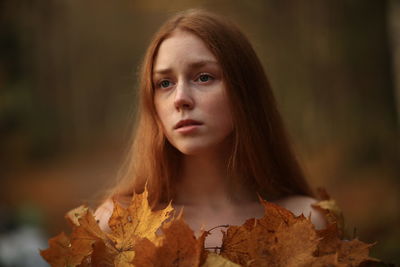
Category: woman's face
[190,95]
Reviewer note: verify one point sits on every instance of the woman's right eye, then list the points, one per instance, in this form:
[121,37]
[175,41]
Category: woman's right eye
[164,84]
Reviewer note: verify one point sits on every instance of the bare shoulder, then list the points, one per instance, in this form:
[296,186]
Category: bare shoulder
[303,205]
[103,214]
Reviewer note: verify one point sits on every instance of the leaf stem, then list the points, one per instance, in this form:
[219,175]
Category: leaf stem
[214,248]
[219,226]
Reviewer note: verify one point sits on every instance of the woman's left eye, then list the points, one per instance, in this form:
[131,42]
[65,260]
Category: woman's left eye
[205,78]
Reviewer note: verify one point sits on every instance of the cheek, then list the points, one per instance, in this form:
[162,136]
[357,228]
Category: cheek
[218,107]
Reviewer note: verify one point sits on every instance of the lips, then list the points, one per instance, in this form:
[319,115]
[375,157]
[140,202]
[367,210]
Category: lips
[187,122]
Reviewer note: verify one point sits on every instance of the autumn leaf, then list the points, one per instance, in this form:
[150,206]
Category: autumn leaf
[74,215]
[354,252]
[327,260]
[130,225]
[214,259]
[78,246]
[329,240]
[331,210]
[178,247]
[136,222]
[282,239]
[348,252]
[59,253]
[87,243]
[277,239]
[103,255]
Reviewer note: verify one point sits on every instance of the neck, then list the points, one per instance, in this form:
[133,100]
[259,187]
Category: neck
[204,181]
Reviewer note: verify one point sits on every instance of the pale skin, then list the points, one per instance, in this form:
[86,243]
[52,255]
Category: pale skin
[189,85]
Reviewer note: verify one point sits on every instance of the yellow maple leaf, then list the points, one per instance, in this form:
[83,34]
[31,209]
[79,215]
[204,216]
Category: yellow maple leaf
[87,243]
[136,222]
[214,259]
[132,224]
[277,239]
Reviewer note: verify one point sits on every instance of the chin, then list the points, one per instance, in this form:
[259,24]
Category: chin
[191,150]
[198,148]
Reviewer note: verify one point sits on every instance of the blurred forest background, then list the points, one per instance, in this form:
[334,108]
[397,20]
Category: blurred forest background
[67,98]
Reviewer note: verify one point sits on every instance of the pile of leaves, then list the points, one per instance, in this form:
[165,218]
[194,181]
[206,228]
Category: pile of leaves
[277,239]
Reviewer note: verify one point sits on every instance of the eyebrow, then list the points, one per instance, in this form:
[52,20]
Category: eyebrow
[193,65]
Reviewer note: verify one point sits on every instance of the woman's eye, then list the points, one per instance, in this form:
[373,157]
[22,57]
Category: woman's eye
[165,84]
[205,78]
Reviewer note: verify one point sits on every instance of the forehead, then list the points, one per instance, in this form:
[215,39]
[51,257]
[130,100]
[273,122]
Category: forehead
[182,47]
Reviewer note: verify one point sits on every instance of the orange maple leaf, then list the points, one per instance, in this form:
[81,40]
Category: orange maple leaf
[87,244]
[71,251]
[277,239]
[178,247]
[329,207]
[282,239]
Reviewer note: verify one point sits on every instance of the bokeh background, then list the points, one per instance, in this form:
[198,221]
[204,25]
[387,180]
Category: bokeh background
[67,100]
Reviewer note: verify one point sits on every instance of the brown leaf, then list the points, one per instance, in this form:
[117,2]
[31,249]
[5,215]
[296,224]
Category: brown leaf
[326,260]
[331,210]
[59,253]
[85,234]
[103,255]
[329,241]
[277,239]
[145,253]
[178,247]
[295,243]
[78,246]
[354,252]
[88,245]
[349,253]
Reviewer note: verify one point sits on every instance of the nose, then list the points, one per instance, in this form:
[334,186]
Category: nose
[183,98]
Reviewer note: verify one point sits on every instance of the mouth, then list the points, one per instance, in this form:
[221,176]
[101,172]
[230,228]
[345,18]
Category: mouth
[187,122]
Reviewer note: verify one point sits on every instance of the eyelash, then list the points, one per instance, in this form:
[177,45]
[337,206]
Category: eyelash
[205,74]
[159,85]
[210,78]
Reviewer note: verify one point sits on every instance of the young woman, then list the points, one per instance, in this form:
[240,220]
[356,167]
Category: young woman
[209,136]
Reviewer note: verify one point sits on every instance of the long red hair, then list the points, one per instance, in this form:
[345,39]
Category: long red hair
[261,159]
